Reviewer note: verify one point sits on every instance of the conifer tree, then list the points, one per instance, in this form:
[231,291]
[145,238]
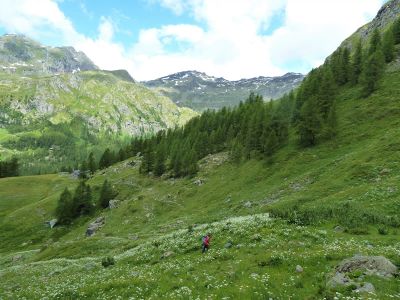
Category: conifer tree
[91,163]
[309,126]
[159,165]
[107,193]
[357,63]
[106,159]
[82,200]
[236,151]
[375,42]
[396,31]
[373,71]
[271,143]
[388,45]
[64,212]
[331,123]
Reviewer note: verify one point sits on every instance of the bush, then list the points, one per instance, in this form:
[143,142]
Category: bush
[107,261]
[275,261]
[383,230]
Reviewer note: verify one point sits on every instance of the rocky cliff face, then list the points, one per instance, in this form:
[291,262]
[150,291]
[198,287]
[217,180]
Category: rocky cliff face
[200,91]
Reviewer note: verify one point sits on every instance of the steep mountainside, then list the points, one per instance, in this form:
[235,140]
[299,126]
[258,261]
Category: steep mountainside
[200,91]
[52,112]
[22,55]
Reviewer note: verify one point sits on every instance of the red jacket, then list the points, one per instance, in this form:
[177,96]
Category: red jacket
[206,241]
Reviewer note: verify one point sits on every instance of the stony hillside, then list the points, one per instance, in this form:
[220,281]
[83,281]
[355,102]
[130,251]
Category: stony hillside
[200,91]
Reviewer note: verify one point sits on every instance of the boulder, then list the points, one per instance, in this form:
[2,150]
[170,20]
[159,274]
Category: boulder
[228,245]
[113,204]
[51,223]
[17,258]
[366,288]
[167,254]
[372,265]
[299,269]
[94,226]
[247,204]
[198,182]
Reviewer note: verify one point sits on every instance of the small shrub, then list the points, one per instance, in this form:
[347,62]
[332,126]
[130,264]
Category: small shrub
[262,263]
[298,285]
[107,261]
[358,230]
[275,261]
[383,230]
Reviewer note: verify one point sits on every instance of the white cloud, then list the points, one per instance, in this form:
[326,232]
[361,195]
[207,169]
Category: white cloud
[228,41]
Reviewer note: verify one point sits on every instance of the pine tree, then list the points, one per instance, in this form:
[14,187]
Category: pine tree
[326,93]
[64,212]
[236,151]
[357,63]
[82,200]
[271,144]
[309,126]
[388,45]
[106,159]
[107,193]
[91,163]
[373,71]
[159,165]
[331,123]
[396,31]
[375,42]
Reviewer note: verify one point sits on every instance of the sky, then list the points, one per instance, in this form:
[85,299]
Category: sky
[233,39]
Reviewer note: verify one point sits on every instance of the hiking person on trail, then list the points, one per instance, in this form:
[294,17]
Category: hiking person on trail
[206,243]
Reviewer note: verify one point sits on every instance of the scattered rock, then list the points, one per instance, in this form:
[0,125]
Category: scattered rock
[113,204]
[90,266]
[51,223]
[198,182]
[338,229]
[167,254]
[339,279]
[248,204]
[366,288]
[373,265]
[228,245]
[94,226]
[17,258]
[133,237]
[299,269]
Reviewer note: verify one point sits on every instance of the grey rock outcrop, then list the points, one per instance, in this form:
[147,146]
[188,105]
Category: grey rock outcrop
[372,265]
[95,226]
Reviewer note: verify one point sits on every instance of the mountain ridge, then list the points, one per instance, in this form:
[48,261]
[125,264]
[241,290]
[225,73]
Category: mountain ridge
[200,91]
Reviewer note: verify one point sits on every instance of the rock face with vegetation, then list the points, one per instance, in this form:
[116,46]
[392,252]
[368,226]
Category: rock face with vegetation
[55,112]
[200,91]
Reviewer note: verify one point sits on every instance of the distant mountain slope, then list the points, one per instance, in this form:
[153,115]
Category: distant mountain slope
[22,55]
[200,91]
[55,112]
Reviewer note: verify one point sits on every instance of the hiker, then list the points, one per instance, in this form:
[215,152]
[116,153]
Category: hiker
[206,243]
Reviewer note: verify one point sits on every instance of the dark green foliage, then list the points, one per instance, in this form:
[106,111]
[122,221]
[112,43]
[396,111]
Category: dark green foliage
[396,31]
[82,200]
[107,261]
[375,42]
[388,45]
[64,213]
[9,168]
[107,159]
[310,123]
[357,63]
[92,163]
[107,193]
[373,71]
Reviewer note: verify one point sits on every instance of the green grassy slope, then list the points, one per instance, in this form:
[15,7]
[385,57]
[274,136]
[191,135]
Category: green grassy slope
[350,182]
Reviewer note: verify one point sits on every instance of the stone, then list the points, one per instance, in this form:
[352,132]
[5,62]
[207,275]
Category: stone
[228,245]
[51,223]
[338,229]
[299,269]
[133,237]
[339,279]
[90,266]
[248,204]
[373,265]
[113,204]
[198,182]
[94,226]
[366,288]
[167,254]
[17,258]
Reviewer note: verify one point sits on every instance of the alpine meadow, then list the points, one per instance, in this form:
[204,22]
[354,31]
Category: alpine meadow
[197,187]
